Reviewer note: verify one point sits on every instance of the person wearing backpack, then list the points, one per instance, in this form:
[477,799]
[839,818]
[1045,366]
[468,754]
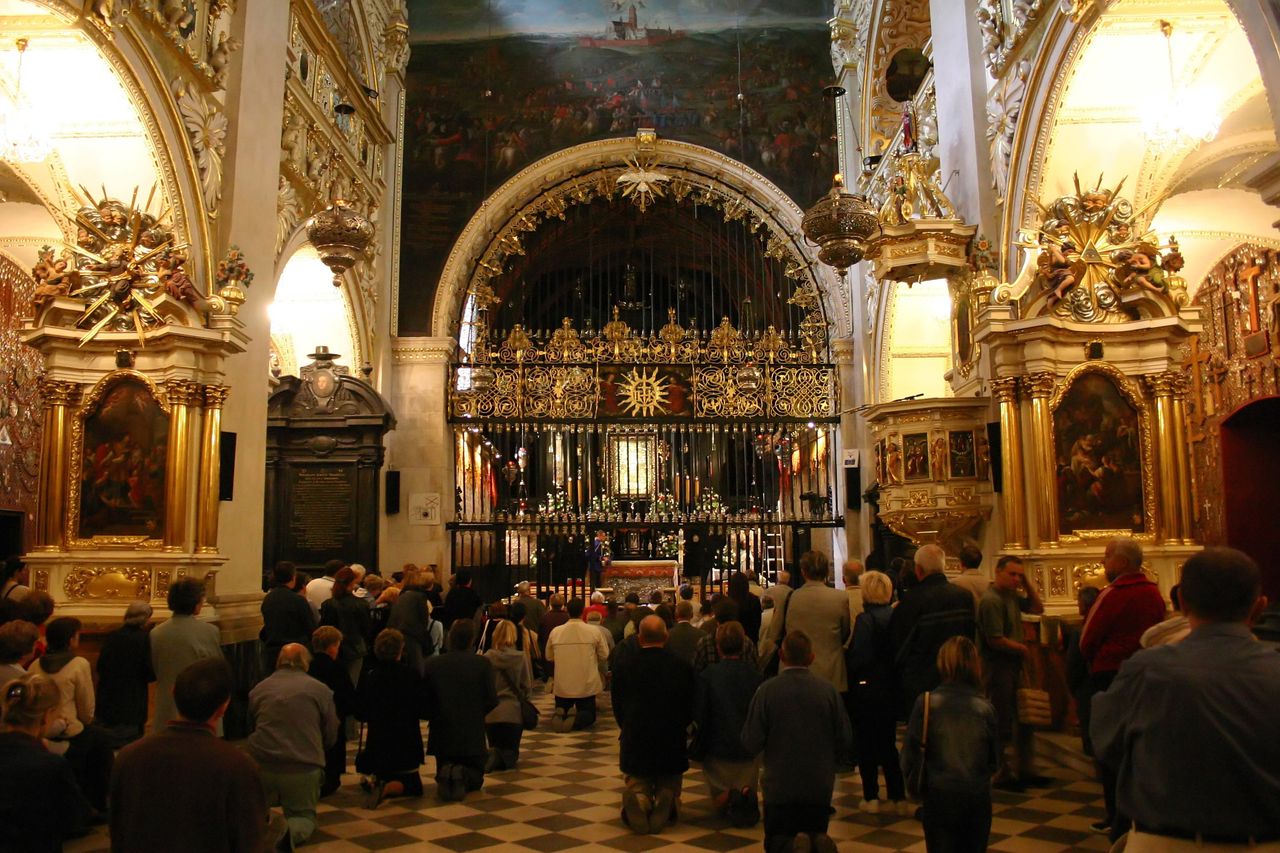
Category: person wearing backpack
[869,660]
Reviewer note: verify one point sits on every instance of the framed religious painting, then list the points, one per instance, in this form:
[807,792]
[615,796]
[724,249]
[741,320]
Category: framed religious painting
[1099,435]
[915,451]
[961,456]
[120,445]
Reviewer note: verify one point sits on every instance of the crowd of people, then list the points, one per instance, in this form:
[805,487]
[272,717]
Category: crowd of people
[772,694]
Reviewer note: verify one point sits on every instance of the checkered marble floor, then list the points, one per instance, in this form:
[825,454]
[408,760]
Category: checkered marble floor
[565,796]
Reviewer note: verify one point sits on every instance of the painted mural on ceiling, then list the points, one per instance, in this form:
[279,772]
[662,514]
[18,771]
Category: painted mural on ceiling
[495,85]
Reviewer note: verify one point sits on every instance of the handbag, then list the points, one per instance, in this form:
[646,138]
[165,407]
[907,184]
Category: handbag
[773,660]
[914,782]
[1034,706]
[528,711]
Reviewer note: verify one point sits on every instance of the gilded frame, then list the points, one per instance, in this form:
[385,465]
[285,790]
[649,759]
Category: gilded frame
[1133,395]
[88,406]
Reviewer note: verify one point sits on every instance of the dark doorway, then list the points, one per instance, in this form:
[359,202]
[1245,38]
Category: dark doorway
[11,524]
[1251,485]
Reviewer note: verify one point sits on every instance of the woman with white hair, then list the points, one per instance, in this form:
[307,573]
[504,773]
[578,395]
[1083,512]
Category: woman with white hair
[869,659]
[124,671]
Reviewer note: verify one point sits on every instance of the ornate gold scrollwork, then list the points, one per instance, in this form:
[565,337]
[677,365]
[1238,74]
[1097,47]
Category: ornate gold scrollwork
[126,583]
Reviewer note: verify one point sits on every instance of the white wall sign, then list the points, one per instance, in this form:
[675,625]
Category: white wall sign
[424,508]
[851,458]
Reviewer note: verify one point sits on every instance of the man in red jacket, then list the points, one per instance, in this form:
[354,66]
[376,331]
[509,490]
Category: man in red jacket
[1129,605]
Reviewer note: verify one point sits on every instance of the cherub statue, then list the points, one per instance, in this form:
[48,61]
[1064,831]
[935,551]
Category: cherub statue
[171,267]
[177,14]
[1056,270]
[1140,266]
[220,57]
[52,277]
[292,142]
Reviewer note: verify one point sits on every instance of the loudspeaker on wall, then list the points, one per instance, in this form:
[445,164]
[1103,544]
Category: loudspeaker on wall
[391,499]
[994,444]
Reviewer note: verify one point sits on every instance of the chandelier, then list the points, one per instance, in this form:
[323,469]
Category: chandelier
[1186,116]
[23,131]
[841,225]
[340,235]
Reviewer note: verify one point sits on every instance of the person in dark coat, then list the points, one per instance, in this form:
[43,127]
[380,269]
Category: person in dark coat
[411,616]
[40,803]
[871,696]
[462,602]
[724,693]
[749,608]
[326,669]
[124,671]
[390,701]
[350,615]
[653,698]
[460,693]
[286,615]
[930,613]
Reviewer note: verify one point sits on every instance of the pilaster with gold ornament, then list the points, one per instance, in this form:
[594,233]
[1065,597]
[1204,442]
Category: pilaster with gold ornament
[1182,453]
[58,398]
[207,492]
[1045,475]
[1013,503]
[183,395]
[1162,387]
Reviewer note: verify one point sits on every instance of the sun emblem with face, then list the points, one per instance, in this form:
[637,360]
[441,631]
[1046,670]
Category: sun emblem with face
[644,393]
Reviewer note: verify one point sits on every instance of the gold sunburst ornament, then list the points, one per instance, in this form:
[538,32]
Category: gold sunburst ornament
[642,182]
[644,392]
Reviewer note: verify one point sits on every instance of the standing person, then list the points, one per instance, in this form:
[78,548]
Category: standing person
[576,650]
[1005,661]
[462,602]
[16,579]
[749,608]
[962,753]
[723,611]
[597,558]
[350,615]
[871,697]
[822,613]
[928,615]
[286,616]
[179,642]
[211,799]
[325,668]
[391,701]
[1130,604]
[684,638]
[800,725]
[460,694]
[852,575]
[88,751]
[724,693]
[653,697]
[1077,669]
[971,577]
[1190,729]
[320,590]
[411,616]
[294,722]
[513,681]
[40,803]
[124,671]
[596,606]
[533,607]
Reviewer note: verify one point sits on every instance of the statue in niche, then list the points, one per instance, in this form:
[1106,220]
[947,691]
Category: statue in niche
[938,452]
[893,455]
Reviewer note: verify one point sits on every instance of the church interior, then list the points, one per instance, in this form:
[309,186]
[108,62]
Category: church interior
[470,283]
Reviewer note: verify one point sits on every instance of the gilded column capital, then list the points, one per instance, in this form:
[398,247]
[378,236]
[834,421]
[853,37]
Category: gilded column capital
[1040,384]
[1163,384]
[1005,389]
[56,392]
[183,392]
[215,396]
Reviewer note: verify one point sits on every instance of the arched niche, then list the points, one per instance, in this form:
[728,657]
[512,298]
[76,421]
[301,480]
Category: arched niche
[1075,118]
[915,340]
[307,311]
[571,176]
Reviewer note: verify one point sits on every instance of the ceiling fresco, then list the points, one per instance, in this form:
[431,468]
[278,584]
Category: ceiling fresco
[494,89]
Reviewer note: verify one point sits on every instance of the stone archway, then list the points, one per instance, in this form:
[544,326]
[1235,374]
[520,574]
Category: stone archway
[555,175]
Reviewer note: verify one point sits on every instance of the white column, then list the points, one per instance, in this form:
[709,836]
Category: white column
[960,80]
[255,108]
[421,449]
